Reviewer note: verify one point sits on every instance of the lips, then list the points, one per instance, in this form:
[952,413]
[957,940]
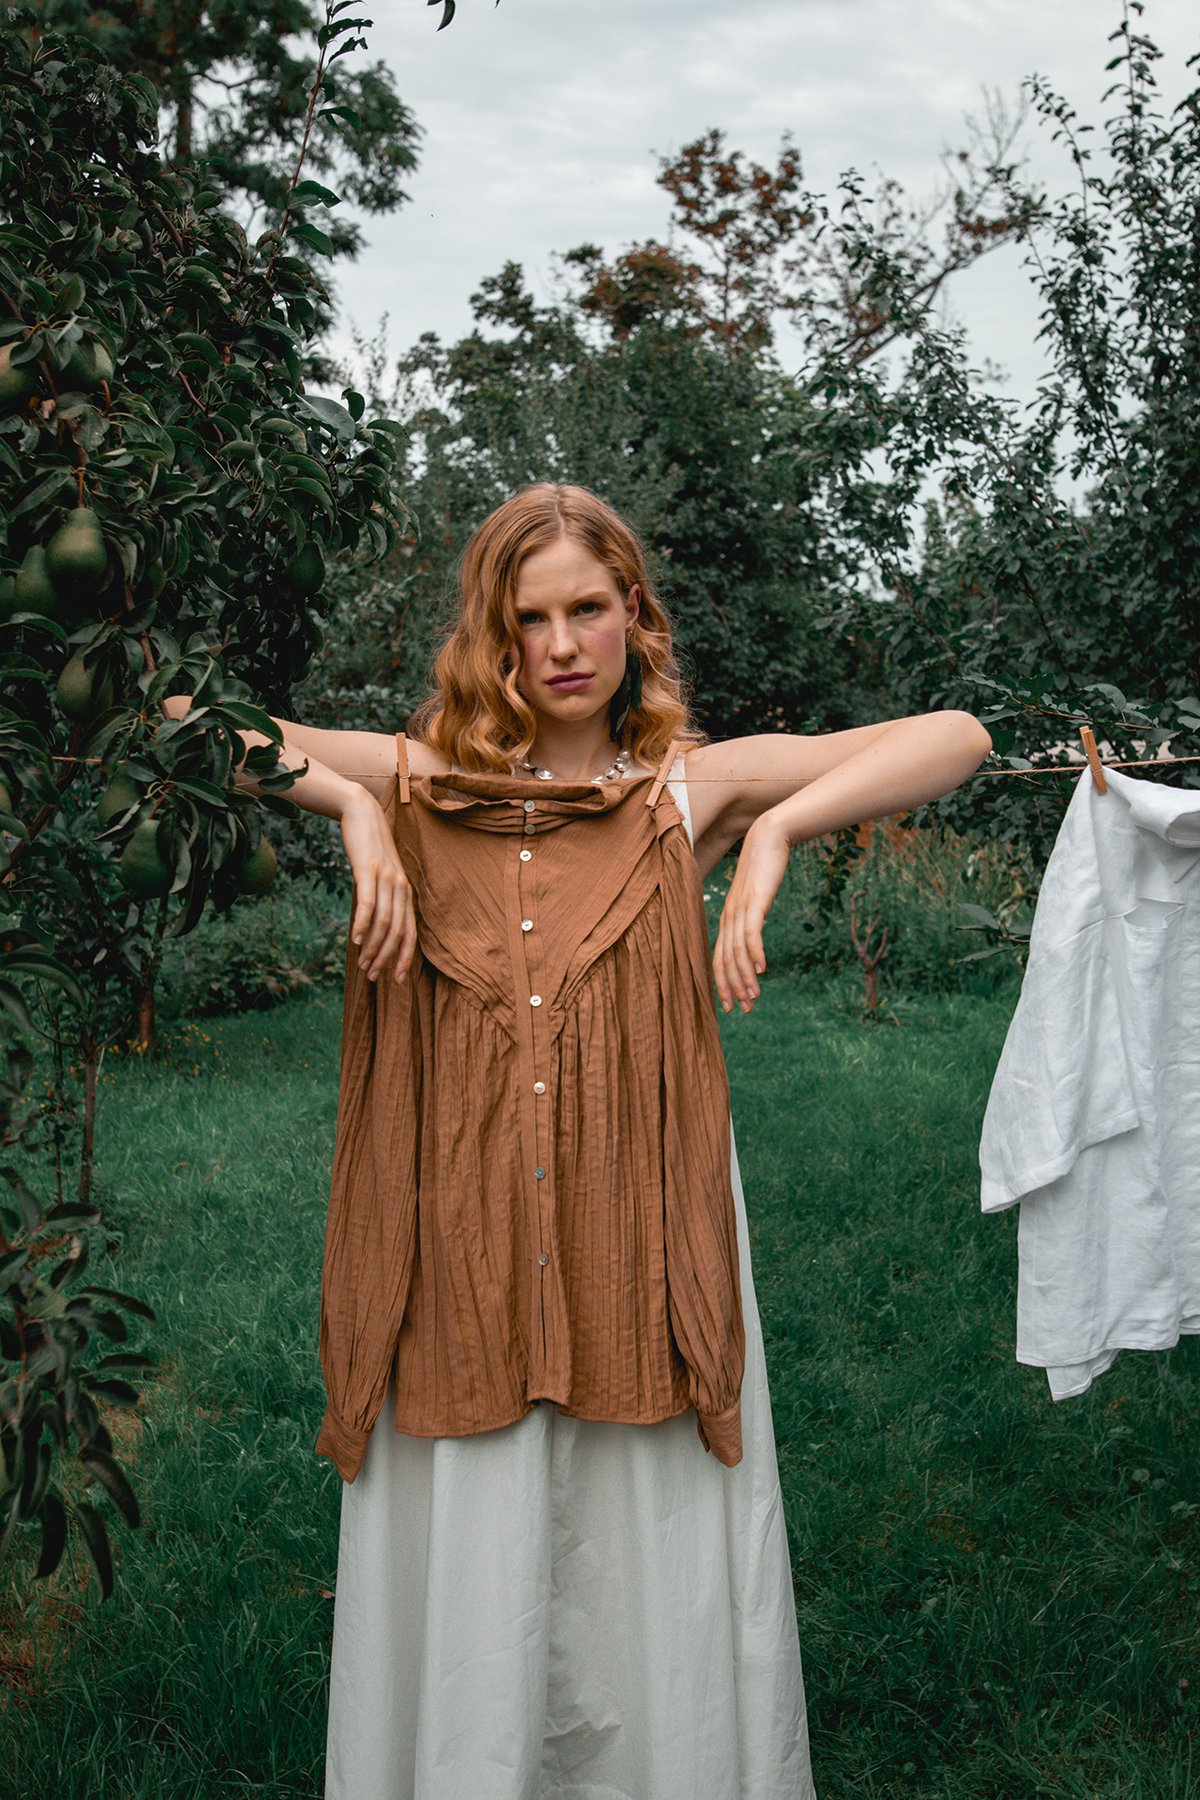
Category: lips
[569,684]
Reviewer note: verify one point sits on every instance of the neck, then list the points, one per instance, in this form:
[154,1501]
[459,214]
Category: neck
[573,753]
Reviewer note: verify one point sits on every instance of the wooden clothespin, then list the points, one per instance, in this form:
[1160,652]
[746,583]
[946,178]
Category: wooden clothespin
[1093,756]
[402,768]
[667,764]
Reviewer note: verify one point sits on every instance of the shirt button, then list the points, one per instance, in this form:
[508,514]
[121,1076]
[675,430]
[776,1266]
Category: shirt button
[526,855]
[529,806]
[539,1174]
[539,1087]
[526,924]
[535,999]
[529,830]
[543,1259]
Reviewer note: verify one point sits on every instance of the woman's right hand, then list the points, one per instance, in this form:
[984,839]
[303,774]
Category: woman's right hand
[385,921]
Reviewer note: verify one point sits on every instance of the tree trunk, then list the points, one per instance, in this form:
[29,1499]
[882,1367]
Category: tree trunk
[91,1070]
[183,122]
[147,1026]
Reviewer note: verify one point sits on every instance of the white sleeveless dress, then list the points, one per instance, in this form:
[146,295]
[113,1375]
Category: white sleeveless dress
[564,1610]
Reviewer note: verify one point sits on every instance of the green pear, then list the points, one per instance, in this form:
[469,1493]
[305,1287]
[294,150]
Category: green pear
[259,869]
[144,870]
[16,383]
[77,556]
[82,691]
[87,366]
[33,590]
[304,573]
[121,793]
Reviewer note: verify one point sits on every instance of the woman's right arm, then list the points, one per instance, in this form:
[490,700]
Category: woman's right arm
[347,773]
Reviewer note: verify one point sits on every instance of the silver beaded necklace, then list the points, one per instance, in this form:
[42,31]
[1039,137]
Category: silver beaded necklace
[614,774]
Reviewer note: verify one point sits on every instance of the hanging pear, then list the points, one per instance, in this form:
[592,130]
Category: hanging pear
[33,590]
[259,869]
[121,793]
[83,692]
[304,573]
[16,383]
[87,366]
[144,870]
[77,556]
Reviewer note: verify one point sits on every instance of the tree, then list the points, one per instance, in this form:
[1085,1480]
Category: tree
[1044,610]
[760,248]
[170,497]
[236,96]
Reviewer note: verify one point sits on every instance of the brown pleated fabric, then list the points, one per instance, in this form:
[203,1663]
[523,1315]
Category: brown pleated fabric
[531,1188]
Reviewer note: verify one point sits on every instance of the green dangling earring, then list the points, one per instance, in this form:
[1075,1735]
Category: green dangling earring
[628,696]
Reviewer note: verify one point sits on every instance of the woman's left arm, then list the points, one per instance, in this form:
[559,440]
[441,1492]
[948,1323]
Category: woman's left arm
[776,791]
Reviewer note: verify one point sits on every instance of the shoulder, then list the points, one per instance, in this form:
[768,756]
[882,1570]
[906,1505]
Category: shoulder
[732,782]
[368,757]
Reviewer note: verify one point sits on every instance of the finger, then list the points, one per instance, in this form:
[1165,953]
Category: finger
[364,909]
[399,938]
[745,984]
[375,946]
[408,938]
[724,973]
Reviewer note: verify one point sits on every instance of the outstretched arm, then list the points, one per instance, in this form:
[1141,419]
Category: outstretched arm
[346,772]
[774,792]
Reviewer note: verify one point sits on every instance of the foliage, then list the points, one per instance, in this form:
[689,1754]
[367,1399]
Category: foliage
[49,1399]
[925,886]
[251,136]
[153,420]
[1059,580]
[256,956]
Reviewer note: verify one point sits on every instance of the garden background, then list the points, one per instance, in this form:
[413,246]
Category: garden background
[996,1597]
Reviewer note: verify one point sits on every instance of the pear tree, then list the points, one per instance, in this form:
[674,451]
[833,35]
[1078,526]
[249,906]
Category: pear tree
[170,495]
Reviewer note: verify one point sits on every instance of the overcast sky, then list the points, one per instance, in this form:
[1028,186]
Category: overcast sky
[542,120]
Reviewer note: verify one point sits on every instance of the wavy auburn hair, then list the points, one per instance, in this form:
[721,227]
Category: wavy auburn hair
[476,717]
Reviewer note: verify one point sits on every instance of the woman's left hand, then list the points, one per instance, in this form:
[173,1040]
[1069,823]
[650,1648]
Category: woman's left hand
[739,959]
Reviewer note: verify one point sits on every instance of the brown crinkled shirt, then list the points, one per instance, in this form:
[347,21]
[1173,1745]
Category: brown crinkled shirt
[531,1187]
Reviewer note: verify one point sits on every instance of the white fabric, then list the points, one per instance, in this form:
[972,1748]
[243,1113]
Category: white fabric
[564,1610]
[1093,1123]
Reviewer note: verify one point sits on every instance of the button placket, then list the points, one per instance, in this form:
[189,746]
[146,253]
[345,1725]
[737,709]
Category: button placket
[526,942]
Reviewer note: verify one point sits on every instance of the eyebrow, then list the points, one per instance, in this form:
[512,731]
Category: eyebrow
[596,594]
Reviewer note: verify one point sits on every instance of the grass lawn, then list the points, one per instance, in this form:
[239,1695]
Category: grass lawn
[997,1597]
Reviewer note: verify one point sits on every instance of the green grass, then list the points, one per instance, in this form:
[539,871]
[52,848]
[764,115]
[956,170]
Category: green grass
[997,1596]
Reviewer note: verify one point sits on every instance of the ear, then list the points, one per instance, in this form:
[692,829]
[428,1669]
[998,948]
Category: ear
[633,604]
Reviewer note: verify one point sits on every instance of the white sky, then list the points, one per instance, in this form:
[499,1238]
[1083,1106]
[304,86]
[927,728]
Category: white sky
[542,117]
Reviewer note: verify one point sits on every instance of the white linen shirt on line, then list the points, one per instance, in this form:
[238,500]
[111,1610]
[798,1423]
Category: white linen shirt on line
[1093,1123]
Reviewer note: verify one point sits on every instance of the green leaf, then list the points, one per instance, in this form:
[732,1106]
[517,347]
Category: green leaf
[95,1540]
[69,297]
[119,1392]
[126,1300]
[331,414]
[448,9]
[346,113]
[308,191]
[54,1535]
[47,489]
[981,913]
[108,1471]
[308,234]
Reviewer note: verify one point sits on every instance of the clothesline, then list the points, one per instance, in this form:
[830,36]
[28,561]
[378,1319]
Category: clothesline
[1153,762]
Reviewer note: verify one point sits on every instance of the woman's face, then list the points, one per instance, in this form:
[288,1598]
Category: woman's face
[573,620]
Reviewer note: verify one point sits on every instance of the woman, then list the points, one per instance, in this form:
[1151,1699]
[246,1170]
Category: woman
[537,1242]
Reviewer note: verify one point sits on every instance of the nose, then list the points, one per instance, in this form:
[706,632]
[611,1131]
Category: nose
[562,640]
